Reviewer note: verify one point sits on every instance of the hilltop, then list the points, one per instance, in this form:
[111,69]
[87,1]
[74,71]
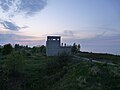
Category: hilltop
[27,70]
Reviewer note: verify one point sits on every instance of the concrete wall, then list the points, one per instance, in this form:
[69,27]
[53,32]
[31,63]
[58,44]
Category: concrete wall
[53,47]
[65,49]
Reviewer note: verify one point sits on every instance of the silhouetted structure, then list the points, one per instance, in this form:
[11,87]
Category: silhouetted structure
[54,48]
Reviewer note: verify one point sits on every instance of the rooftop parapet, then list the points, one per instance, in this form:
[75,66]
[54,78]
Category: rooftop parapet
[53,38]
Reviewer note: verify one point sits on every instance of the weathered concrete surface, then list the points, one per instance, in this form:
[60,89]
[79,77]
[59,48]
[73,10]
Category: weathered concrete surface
[53,46]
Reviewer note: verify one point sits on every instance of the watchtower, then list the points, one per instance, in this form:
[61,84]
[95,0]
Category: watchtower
[54,48]
[53,45]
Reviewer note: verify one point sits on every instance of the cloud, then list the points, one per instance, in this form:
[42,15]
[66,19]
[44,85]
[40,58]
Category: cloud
[100,35]
[108,29]
[10,25]
[11,8]
[100,43]
[65,33]
[12,37]
[28,7]
[68,33]
[20,39]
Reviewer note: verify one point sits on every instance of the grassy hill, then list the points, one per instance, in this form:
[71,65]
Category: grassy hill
[20,71]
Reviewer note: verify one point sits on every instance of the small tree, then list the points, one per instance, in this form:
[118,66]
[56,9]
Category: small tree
[16,46]
[74,48]
[7,49]
[43,49]
[33,50]
[40,49]
[78,47]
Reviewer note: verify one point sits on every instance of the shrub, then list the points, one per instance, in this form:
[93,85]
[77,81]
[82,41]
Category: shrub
[58,63]
[63,58]
[0,50]
[3,78]
[7,49]
[14,63]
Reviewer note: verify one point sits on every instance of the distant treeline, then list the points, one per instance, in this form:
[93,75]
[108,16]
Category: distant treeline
[8,48]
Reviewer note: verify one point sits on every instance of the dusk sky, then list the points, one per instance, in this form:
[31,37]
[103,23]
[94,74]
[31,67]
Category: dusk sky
[95,24]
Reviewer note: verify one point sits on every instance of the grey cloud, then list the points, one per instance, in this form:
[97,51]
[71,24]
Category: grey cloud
[10,25]
[10,37]
[102,44]
[24,27]
[65,33]
[24,40]
[11,8]
[5,4]
[100,35]
[108,29]
[68,33]
[28,7]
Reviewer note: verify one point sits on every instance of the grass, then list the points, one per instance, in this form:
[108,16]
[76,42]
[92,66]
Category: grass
[54,73]
[90,76]
[101,56]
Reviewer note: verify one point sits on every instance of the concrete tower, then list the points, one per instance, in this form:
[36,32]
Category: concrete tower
[52,45]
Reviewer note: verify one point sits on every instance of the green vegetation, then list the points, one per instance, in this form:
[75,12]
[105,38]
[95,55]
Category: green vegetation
[90,76]
[101,57]
[28,68]
[7,49]
[75,48]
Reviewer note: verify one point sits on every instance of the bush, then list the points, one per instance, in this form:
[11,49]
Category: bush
[0,49]
[7,49]
[14,64]
[3,78]
[11,72]
[64,58]
[58,63]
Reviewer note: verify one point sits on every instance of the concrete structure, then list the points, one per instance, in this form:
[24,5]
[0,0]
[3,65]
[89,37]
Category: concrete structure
[54,47]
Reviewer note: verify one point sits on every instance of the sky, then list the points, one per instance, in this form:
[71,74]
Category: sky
[94,24]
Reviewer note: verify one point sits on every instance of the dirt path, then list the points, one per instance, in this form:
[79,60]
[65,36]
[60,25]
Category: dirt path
[93,60]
